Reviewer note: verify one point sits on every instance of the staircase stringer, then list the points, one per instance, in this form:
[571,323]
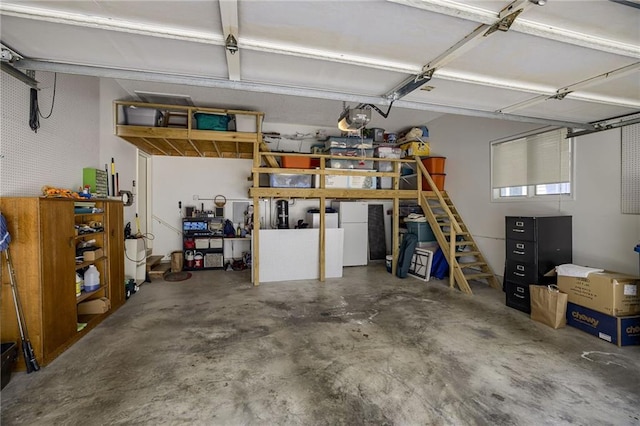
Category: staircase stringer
[456,228]
[492,280]
[456,274]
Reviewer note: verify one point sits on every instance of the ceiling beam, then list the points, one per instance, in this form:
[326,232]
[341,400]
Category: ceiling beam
[567,90]
[501,22]
[229,18]
[439,6]
[484,16]
[125,74]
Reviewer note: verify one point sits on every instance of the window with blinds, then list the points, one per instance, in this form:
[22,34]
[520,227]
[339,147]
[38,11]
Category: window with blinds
[534,165]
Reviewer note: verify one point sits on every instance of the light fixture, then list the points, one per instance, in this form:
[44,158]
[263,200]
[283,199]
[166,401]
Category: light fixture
[539,2]
[354,119]
[231,44]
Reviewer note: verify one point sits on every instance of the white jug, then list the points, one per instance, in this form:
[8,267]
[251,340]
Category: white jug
[91,279]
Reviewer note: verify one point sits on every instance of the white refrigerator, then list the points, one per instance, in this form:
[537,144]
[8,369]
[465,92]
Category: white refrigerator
[353,218]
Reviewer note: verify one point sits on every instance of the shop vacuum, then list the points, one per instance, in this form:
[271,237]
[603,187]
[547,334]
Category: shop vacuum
[282,209]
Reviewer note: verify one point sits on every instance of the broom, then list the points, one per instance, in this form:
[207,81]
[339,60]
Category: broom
[27,349]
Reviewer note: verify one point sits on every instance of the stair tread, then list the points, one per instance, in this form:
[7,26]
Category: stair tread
[479,275]
[152,260]
[467,253]
[160,268]
[471,264]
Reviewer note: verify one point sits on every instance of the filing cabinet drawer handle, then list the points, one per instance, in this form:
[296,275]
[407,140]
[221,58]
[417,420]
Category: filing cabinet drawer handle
[518,274]
[519,296]
[518,252]
[518,230]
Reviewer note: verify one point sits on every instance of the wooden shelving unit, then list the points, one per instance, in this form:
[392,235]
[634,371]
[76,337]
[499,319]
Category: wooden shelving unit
[190,142]
[323,193]
[43,251]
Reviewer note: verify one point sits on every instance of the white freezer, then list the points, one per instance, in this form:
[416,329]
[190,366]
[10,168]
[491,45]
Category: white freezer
[355,244]
[353,217]
[351,211]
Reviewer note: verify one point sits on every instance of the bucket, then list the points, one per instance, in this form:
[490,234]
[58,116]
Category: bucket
[438,179]
[198,260]
[388,262]
[434,165]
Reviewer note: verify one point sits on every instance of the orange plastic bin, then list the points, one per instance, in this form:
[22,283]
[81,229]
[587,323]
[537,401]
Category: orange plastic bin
[438,179]
[434,164]
[294,162]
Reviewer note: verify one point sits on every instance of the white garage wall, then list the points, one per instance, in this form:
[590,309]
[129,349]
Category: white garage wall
[65,143]
[175,179]
[124,154]
[602,236]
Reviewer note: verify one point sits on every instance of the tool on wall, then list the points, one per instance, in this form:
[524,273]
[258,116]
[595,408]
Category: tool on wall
[113,177]
[27,350]
[106,170]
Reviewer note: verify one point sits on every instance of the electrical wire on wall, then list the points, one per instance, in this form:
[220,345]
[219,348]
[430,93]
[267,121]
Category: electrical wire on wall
[34,113]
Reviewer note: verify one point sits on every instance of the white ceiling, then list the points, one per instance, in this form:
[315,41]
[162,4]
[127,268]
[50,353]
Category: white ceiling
[298,61]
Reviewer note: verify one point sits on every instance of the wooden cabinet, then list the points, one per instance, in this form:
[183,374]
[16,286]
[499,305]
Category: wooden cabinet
[43,250]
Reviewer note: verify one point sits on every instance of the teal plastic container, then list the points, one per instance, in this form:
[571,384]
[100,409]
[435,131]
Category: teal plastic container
[211,121]
[422,230]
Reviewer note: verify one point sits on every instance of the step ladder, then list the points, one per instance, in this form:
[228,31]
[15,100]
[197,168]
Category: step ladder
[454,237]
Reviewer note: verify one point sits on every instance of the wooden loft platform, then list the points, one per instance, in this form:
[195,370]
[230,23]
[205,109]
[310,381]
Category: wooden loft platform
[322,193]
[180,138]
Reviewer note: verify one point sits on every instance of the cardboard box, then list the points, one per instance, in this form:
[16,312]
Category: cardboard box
[608,292]
[93,254]
[95,306]
[621,331]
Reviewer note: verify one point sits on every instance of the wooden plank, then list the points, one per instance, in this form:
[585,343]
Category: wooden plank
[269,159]
[255,253]
[405,194]
[217,148]
[321,171]
[322,238]
[155,146]
[172,145]
[195,147]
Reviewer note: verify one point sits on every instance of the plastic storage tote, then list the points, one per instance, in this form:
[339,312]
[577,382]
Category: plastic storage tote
[206,121]
[421,229]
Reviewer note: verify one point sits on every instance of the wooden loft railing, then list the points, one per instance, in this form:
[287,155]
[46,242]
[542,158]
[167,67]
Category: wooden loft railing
[184,139]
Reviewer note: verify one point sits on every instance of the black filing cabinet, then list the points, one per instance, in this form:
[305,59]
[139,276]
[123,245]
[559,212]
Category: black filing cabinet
[534,246]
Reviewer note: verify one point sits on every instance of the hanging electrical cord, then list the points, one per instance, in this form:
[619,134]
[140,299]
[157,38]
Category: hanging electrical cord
[34,113]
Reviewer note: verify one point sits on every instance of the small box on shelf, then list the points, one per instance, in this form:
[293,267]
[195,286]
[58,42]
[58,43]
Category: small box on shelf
[95,306]
[91,255]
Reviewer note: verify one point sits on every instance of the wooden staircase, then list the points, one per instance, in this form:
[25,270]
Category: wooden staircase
[454,237]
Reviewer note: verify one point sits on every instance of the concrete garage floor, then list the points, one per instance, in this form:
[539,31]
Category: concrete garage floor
[365,349]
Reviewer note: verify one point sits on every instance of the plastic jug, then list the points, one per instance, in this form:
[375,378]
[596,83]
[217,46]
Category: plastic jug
[79,284]
[91,279]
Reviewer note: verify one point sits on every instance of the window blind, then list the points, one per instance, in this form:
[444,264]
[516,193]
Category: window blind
[533,160]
